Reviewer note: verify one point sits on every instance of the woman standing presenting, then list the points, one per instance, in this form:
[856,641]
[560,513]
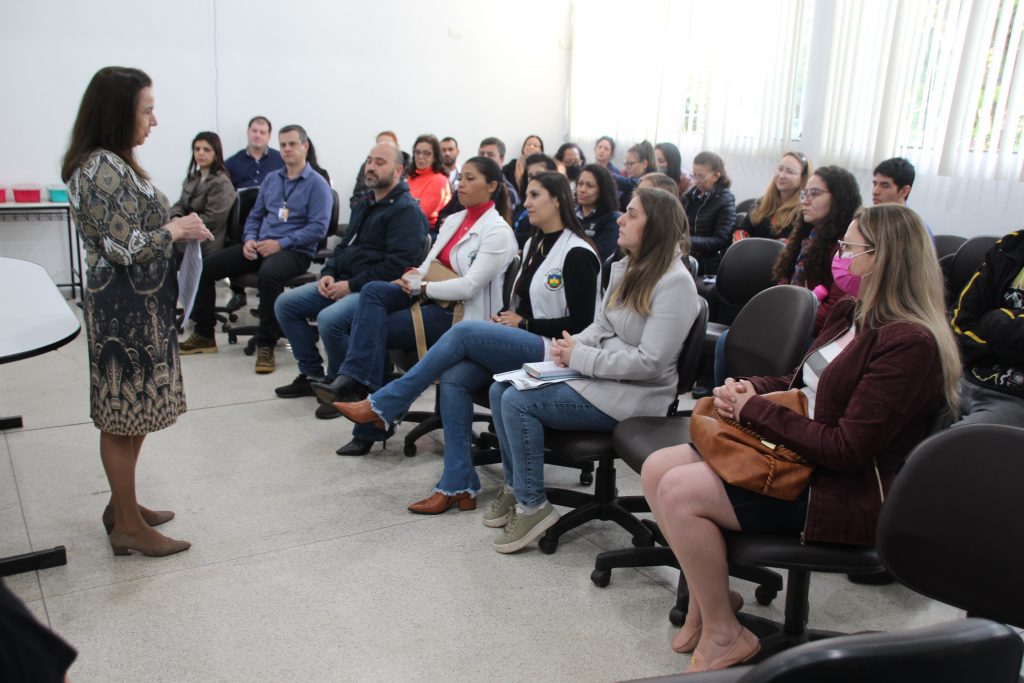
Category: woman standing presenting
[136,383]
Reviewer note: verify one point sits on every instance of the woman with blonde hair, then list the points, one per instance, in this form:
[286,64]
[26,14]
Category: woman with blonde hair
[883,368]
[778,209]
[626,359]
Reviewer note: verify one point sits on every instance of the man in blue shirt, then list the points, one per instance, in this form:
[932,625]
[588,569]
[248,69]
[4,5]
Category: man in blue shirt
[250,166]
[289,219]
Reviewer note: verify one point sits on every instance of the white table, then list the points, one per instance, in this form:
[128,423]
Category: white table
[45,211]
[34,319]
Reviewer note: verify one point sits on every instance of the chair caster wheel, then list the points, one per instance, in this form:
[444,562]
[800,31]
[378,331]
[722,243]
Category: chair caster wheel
[586,478]
[232,339]
[548,546]
[409,450]
[601,577]
[250,348]
[676,616]
[765,595]
[232,317]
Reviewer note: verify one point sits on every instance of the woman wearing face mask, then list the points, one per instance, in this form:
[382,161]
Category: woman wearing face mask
[711,209]
[207,190]
[828,204]
[867,410]
[670,162]
[778,209]
[555,292]
[571,157]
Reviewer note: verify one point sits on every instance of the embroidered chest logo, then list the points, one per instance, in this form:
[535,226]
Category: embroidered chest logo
[553,280]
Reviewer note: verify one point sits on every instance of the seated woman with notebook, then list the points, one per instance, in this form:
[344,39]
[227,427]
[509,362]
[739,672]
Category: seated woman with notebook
[556,291]
[627,357]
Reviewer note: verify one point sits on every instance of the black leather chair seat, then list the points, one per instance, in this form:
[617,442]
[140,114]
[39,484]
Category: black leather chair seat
[638,437]
[579,446]
[711,337]
[786,552]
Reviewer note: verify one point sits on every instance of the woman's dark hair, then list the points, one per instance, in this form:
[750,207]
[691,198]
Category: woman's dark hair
[311,160]
[556,185]
[645,152]
[213,140]
[435,146]
[674,160]
[845,195]
[716,164]
[541,158]
[527,139]
[560,154]
[491,172]
[609,139]
[607,190]
[107,118]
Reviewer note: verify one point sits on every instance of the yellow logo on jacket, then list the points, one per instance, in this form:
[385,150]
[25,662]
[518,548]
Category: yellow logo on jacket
[553,280]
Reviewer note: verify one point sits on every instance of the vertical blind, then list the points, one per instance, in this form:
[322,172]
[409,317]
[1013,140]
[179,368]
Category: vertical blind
[938,81]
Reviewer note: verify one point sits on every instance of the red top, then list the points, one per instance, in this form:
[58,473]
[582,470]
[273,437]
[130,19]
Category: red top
[472,214]
[433,192]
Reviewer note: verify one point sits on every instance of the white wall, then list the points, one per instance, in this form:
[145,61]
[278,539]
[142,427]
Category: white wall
[344,70]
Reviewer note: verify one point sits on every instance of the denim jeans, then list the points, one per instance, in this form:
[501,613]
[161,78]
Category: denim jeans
[333,319]
[721,364]
[519,420]
[464,358]
[383,321]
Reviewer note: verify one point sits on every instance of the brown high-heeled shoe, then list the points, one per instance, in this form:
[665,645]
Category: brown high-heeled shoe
[150,517]
[440,502]
[686,644]
[360,412]
[123,544]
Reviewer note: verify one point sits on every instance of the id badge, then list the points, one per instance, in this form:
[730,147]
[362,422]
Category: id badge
[282,213]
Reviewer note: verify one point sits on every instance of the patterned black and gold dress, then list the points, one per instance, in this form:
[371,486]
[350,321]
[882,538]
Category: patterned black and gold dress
[130,298]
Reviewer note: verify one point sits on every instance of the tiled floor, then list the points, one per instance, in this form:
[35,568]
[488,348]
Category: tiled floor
[306,566]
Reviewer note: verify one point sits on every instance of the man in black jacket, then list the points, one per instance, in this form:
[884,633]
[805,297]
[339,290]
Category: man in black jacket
[385,235]
[988,321]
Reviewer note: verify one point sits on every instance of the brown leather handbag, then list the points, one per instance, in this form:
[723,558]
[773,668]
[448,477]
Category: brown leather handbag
[746,459]
[437,272]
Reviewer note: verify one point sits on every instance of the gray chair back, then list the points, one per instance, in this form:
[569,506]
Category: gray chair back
[771,333]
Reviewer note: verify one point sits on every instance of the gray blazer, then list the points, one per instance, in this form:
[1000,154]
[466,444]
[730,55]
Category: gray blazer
[211,199]
[632,358]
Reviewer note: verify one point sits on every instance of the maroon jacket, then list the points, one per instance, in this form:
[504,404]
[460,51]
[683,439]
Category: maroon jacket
[874,403]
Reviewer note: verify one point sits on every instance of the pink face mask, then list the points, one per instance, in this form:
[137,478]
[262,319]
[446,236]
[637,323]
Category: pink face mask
[845,280]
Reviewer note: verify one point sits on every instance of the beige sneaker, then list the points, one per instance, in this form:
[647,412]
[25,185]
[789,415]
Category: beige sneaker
[265,362]
[197,344]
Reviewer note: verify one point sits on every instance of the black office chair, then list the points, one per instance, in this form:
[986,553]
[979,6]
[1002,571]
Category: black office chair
[244,201]
[745,270]
[583,446]
[746,206]
[951,652]
[769,337]
[949,529]
[965,263]
[251,281]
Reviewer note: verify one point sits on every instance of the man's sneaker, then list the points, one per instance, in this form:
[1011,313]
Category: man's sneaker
[197,344]
[265,360]
[237,300]
[298,387]
[501,509]
[522,529]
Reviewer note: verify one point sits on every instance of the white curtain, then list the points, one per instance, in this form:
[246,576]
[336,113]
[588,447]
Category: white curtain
[940,82]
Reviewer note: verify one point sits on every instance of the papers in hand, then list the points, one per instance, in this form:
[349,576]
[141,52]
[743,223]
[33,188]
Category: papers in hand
[548,372]
[188,276]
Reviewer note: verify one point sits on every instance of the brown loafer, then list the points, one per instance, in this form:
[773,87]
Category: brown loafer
[743,648]
[360,412]
[440,502]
